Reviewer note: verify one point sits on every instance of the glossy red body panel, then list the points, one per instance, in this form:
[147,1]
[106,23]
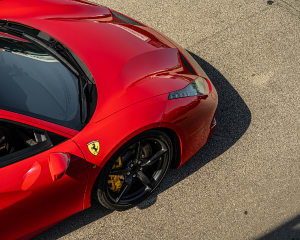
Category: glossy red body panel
[117,50]
[58,164]
[30,199]
[112,133]
[191,118]
[134,68]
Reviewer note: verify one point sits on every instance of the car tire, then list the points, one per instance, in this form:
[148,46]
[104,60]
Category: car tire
[135,170]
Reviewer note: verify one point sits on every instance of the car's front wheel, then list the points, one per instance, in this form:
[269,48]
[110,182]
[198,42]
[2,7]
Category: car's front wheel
[135,171]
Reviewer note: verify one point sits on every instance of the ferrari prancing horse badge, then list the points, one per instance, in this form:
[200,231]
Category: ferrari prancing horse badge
[94,147]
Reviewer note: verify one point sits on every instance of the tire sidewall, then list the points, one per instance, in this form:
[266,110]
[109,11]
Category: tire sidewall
[101,191]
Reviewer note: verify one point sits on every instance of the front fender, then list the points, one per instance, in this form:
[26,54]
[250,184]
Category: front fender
[115,130]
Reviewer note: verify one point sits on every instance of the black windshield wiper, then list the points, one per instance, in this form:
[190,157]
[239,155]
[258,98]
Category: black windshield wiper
[62,53]
[52,50]
[83,100]
[82,78]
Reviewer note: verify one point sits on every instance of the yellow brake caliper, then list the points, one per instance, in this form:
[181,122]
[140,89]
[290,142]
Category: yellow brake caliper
[115,182]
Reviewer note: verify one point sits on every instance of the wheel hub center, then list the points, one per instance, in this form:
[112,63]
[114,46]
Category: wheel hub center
[134,167]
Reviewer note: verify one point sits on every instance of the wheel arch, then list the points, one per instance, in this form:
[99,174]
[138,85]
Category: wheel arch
[176,152]
[170,132]
[176,145]
[112,134]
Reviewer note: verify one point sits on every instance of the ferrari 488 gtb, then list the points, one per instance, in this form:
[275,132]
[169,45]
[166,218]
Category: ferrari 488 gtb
[93,105]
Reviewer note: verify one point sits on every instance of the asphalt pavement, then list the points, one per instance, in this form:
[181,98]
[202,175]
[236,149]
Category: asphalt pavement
[245,183]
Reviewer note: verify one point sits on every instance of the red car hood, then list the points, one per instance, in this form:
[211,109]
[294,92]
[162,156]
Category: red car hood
[119,56]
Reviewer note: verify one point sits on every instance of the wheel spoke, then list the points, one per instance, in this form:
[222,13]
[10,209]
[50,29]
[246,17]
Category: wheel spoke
[144,179]
[2,140]
[119,171]
[154,158]
[138,150]
[143,164]
[126,186]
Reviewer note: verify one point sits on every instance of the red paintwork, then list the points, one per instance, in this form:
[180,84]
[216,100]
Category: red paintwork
[31,176]
[135,68]
[58,165]
[30,199]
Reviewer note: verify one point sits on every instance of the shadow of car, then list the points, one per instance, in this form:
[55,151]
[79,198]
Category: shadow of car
[289,230]
[233,119]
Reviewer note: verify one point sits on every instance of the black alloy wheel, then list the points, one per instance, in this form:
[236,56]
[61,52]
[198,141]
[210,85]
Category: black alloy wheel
[135,171]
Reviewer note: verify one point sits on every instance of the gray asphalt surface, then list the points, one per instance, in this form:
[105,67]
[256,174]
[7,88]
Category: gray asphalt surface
[245,183]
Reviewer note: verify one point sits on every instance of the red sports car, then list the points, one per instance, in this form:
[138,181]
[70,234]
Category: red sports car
[93,105]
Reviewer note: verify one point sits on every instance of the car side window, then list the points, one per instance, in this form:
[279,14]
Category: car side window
[18,142]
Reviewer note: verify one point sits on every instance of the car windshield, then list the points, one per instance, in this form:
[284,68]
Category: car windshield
[34,83]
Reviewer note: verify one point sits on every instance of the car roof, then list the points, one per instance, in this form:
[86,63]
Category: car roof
[90,32]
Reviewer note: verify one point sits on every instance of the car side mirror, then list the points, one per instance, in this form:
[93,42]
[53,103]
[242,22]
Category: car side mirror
[58,165]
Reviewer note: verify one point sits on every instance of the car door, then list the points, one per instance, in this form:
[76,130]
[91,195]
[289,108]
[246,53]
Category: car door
[40,185]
